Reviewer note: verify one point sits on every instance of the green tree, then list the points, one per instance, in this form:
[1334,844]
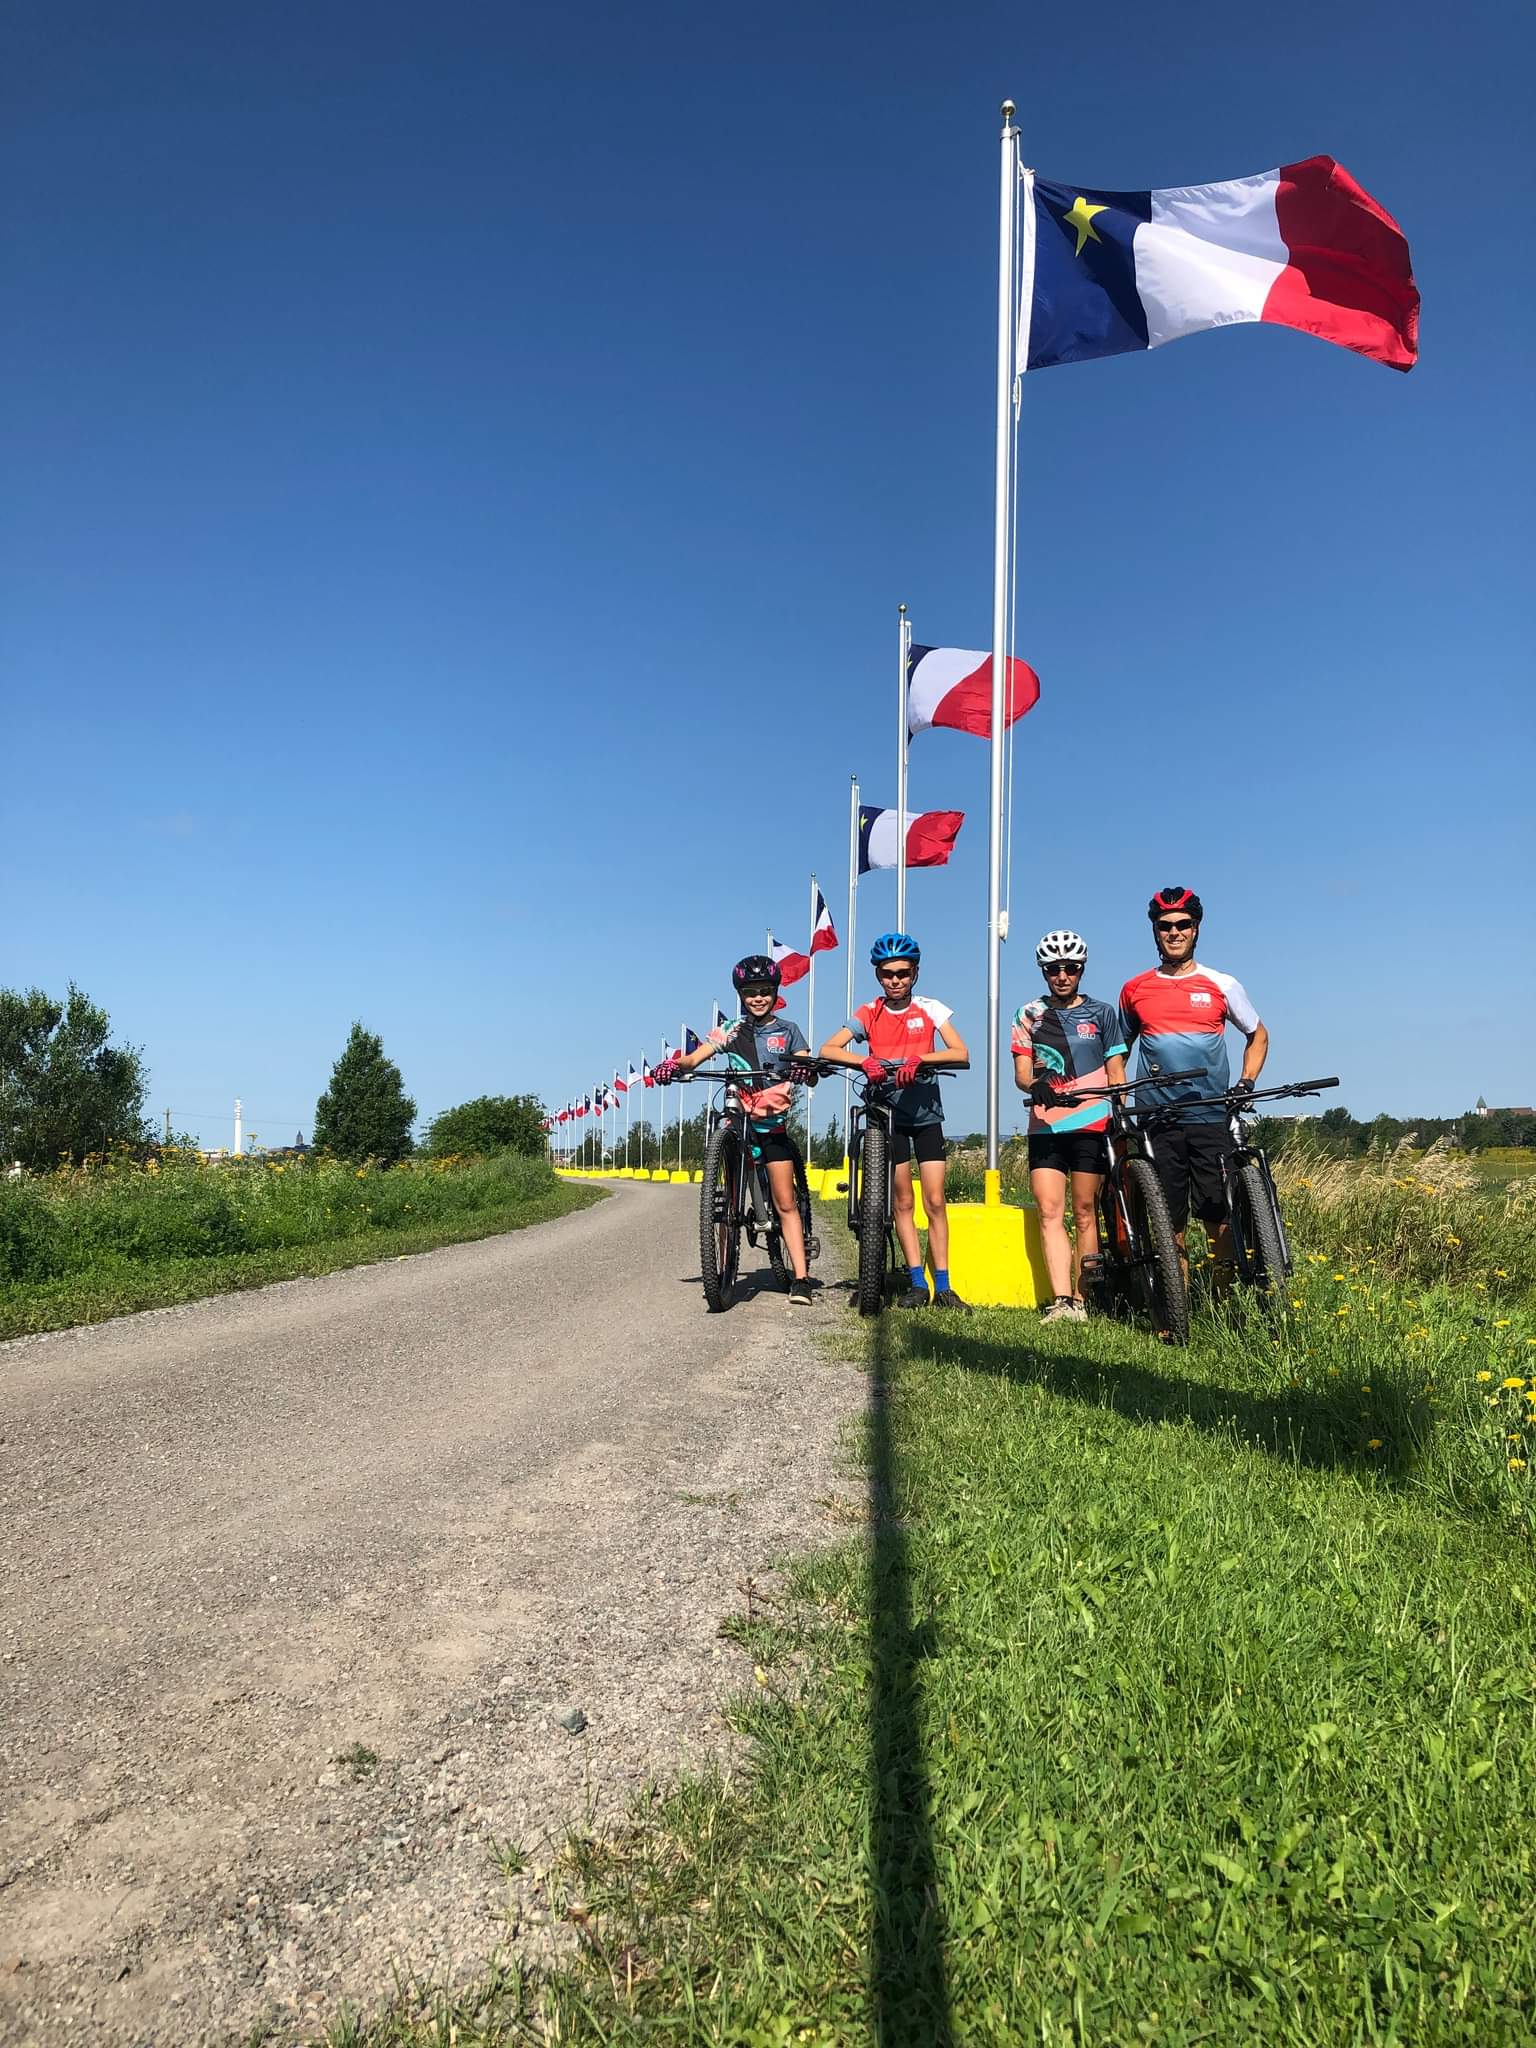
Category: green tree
[64,1091]
[365,1113]
[490,1123]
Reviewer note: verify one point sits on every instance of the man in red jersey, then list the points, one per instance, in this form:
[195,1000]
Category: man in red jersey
[1180,1011]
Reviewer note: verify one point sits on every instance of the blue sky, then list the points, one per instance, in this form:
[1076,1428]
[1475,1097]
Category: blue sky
[462,464]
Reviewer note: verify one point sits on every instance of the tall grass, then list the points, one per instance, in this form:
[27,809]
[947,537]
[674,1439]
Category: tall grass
[117,1234]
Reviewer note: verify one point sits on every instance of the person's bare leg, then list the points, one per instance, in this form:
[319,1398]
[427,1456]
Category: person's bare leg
[1049,1188]
[930,1173]
[906,1226]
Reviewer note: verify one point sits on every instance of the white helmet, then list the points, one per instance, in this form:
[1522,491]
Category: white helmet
[1061,946]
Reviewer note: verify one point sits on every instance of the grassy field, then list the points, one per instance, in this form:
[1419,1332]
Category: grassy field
[80,1246]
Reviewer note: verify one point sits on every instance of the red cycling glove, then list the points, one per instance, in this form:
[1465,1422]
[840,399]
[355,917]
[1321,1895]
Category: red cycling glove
[874,1070]
[907,1072]
[666,1073]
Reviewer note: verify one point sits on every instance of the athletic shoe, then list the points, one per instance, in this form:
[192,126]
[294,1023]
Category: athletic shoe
[1058,1311]
[1079,1311]
[947,1298]
[799,1293]
[915,1297]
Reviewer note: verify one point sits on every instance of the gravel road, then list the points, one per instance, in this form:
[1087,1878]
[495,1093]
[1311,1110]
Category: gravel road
[414,1512]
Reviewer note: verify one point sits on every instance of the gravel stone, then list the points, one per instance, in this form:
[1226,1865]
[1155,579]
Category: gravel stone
[422,1508]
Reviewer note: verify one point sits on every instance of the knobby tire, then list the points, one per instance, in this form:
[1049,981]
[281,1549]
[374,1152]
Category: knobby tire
[719,1233]
[1262,1259]
[874,1184]
[1164,1293]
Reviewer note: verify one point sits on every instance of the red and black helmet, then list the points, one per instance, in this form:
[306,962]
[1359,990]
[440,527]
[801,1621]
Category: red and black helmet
[1176,899]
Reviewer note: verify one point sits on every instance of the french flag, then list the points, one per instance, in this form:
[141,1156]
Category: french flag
[1302,246]
[931,837]
[823,932]
[952,686]
[646,1075]
[792,966]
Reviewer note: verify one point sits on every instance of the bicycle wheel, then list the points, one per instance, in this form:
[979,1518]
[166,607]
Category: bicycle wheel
[1157,1276]
[803,1204]
[719,1227]
[874,1186]
[1258,1235]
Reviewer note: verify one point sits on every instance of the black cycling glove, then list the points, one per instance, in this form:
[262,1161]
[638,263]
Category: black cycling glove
[1042,1093]
[1244,1092]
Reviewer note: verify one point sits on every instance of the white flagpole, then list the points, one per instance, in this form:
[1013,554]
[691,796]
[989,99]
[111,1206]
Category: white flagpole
[1002,510]
[810,1015]
[628,1091]
[848,937]
[901,768]
[682,1040]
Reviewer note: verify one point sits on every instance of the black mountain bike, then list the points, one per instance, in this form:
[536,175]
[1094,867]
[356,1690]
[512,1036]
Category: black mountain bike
[1138,1270]
[734,1199]
[871,1184]
[1261,1251]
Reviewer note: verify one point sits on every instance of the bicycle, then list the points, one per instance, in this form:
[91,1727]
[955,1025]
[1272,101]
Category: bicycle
[734,1198]
[1261,1251]
[1138,1269]
[871,1208]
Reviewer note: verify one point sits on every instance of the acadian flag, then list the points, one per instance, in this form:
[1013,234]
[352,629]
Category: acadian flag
[792,966]
[931,837]
[691,1039]
[823,933]
[952,686]
[720,1021]
[1303,246]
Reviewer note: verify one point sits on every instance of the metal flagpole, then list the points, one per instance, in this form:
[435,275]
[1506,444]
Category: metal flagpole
[853,905]
[810,1015]
[902,631]
[627,1093]
[682,1040]
[1002,509]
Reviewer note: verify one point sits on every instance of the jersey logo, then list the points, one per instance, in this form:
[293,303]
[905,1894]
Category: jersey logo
[1200,996]
[914,1023]
[777,1043]
[1087,1030]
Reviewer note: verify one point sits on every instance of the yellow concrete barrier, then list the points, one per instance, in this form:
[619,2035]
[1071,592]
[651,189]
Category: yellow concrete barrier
[834,1183]
[697,1174]
[679,1174]
[813,1177]
[995,1258]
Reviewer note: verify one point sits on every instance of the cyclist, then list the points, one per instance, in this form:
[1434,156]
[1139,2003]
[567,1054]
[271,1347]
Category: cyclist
[1179,1010]
[915,1031]
[1066,1040]
[769,1044]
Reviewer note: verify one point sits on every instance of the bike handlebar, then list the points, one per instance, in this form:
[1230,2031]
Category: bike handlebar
[1072,1097]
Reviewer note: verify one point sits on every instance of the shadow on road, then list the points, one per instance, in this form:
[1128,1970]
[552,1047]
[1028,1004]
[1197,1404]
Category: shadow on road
[909,1983]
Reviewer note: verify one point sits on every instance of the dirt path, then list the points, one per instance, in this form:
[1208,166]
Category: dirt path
[424,1508]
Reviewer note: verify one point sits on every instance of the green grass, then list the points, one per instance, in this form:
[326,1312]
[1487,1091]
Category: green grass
[1169,1697]
[80,1247]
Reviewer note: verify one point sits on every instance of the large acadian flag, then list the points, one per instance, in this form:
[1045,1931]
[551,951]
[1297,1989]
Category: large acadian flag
[719,1021]
[792,966]
[931,837]
[1303,246]
[952,686]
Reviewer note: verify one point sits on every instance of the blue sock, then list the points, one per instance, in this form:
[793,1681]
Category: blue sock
[941,1279]
[917,1277]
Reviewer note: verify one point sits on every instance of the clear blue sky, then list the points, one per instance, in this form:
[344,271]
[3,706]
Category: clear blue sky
[461,464]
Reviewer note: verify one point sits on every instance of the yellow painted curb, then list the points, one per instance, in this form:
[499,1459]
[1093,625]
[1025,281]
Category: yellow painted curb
[995,1259]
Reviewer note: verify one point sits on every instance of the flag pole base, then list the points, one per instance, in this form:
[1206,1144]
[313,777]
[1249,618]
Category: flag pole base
[995,1257]
[991,1187]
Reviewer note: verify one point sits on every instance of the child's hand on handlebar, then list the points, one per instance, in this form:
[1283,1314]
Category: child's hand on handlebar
[804,1073]
[908,1071]
[874,1070]
[667,1072]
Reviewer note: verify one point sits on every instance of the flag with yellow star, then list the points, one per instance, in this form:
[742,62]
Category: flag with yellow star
[1303,246]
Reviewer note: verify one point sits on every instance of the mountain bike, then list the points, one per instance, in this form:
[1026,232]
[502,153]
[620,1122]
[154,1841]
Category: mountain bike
[1261,1251]
[1138,1270]
[734,1199]
[871,1185]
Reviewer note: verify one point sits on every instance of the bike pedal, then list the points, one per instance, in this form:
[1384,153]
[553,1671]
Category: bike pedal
[813,1248]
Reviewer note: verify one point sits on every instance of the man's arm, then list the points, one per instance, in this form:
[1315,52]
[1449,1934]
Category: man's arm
[1255,1052]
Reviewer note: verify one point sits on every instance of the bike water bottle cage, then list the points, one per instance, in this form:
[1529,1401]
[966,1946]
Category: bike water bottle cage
[1176,898]
[756,967]
[894,946]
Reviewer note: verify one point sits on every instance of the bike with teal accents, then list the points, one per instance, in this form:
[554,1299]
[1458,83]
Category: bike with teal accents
[734,1201]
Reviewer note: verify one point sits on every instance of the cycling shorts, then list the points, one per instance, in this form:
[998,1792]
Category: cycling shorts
[925,1142]
[770,1147]
[1190,1160]
[1068,1151]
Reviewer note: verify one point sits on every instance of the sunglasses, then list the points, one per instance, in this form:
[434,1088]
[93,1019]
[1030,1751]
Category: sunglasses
[1064,967]
[1174,924]
[748,994]
[893,974]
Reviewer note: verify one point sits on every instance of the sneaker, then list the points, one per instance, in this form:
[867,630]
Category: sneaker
[947,1298]
[914,1297]
[799,1293]
[1079,1309]
[1058,1311]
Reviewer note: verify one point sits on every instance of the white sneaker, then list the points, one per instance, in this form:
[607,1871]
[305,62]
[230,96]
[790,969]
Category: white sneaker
[1057,1311]
[1077,1311]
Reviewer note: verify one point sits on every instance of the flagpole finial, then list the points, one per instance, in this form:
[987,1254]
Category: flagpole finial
[1009,110]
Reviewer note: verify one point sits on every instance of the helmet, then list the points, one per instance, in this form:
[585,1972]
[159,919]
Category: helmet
[1176,899]
[756,967]
[1061,946]
[894,946]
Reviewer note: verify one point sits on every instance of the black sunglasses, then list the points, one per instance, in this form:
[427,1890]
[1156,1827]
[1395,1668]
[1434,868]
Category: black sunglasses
[758,989]
[893,973]
[1175,924]
[1064,967]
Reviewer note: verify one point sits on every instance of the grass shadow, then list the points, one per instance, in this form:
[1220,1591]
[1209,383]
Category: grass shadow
[908,1979]
[1297,1424]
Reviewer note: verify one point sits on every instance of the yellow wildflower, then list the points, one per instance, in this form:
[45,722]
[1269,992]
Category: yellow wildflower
[1455,1241]
[1514,1381]
[1485,1375]
[1344,1311]
[1374,1444]
[1502,1323]
[1517,1464]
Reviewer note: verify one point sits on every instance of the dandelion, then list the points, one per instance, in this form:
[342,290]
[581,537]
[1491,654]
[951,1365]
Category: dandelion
[1517,1464]
[1485,1375]
[1344,1311]
[1374,1444]
[1502,1323]
[1338,1276]
[1514,1381]
[1499,1273]
[1455,1241]
[1365,1390]
[1294,1302]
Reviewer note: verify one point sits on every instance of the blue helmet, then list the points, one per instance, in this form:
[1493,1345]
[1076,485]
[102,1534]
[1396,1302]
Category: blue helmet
[894,946]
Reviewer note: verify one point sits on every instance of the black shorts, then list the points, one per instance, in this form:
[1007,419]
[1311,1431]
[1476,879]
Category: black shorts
[769,1147]
[1190,1158]
[924,1143]
[1069,1151]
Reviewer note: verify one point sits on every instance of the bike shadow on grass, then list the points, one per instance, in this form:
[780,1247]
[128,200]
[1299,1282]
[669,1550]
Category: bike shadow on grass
[1297,1424]
[909,1986]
